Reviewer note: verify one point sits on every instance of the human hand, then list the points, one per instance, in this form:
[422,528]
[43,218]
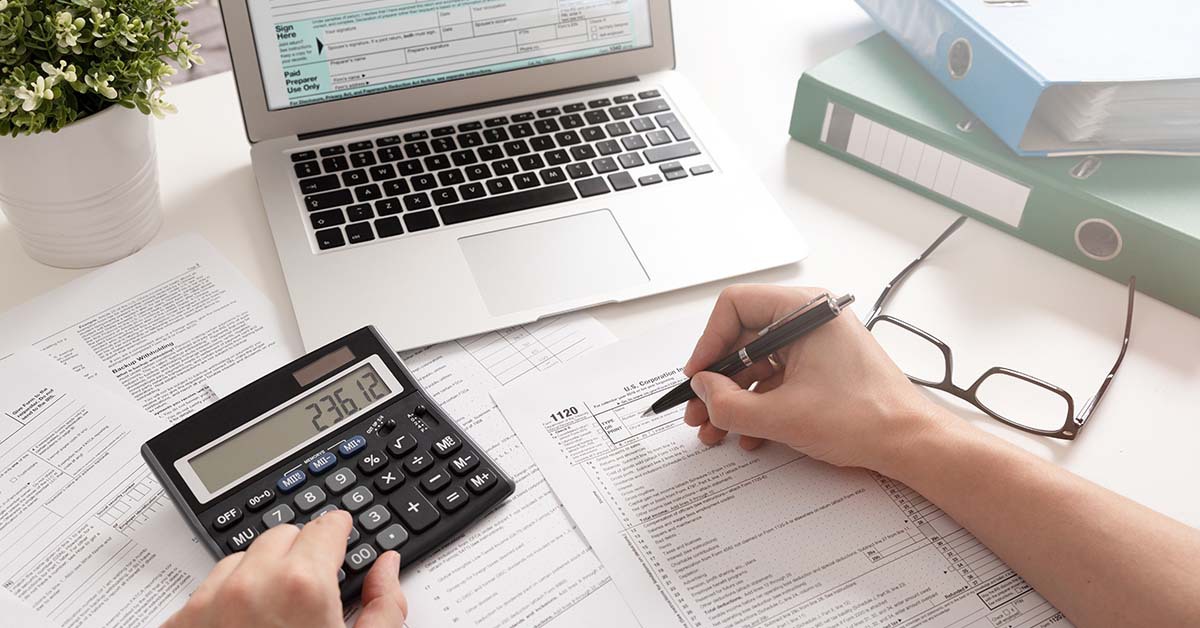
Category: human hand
[288,579]
[838,397]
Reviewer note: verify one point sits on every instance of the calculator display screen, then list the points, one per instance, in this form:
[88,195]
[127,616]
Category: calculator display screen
[288,427]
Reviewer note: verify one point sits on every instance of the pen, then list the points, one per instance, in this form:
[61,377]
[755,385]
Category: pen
[772,338]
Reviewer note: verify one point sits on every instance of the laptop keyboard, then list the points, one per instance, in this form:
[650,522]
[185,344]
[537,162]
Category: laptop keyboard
[383,187]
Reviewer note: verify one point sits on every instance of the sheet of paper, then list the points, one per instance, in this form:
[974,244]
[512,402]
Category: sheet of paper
[525,564]
[158,327]
[169,329]
[696,536]
[87,537]
[18,613]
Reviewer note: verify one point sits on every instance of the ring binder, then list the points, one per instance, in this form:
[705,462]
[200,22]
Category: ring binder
[876,108]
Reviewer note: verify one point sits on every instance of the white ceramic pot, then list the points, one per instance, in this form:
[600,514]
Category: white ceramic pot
[87,195]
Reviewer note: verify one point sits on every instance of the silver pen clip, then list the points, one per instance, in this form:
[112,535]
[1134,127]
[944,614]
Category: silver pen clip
[823,298]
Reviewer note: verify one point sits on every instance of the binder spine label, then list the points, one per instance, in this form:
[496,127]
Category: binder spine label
[937,170]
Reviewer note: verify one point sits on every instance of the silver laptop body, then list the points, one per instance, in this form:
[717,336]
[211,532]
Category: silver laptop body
[440,169]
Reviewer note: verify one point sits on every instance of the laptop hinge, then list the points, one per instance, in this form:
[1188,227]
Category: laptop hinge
[442,112]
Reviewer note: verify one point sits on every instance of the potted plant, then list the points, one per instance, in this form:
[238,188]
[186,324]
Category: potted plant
[78,81]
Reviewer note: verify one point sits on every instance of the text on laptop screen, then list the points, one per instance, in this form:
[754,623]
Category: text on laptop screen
[320,50]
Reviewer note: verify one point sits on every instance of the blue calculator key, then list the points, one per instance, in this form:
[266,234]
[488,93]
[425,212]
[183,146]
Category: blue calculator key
[351,446]
[322,463]
[291,481]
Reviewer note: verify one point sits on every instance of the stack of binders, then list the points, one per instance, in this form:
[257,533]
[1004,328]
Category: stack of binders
[1063,78]
[884,106]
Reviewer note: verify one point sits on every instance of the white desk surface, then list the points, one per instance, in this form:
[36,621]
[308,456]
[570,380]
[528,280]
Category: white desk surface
[995,299]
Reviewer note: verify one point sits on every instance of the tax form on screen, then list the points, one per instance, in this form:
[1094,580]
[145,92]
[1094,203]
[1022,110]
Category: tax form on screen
[702,536]
[318,50]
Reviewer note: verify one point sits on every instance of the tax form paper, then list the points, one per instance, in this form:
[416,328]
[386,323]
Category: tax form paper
[716,536]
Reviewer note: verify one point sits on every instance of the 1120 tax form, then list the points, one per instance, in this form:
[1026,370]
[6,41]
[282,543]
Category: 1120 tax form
[716,536]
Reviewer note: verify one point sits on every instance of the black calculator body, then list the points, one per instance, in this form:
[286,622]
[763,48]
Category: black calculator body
[344,427]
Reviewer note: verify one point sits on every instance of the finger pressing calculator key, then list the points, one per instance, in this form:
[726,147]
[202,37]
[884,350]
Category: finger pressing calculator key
[343,428]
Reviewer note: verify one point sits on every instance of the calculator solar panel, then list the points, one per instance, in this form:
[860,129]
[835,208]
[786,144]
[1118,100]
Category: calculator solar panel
[344,427]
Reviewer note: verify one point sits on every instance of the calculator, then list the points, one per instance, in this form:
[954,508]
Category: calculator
[344,427]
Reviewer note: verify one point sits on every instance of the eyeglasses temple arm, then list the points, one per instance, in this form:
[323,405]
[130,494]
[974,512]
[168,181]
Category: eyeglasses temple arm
[898,279]
[1085,412]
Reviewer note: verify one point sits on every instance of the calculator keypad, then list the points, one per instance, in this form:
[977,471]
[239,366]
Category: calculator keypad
[291,481]
[407,484]
[322,463]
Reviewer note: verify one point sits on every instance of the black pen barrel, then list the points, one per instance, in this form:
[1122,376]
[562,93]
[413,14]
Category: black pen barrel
[769,342]
[761,347]
[729,366]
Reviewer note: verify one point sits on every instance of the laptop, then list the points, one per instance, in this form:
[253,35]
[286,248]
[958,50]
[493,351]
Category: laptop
[442,169]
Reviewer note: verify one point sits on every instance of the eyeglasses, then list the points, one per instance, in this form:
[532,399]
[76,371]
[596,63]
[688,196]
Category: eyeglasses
[1012,397]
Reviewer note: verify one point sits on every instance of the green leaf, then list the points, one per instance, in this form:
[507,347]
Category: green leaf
[135,43]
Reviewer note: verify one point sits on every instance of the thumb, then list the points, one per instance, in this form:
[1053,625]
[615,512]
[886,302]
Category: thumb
[730,407]
[384,604]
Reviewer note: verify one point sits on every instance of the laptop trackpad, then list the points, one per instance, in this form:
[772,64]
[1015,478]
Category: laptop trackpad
[552,262]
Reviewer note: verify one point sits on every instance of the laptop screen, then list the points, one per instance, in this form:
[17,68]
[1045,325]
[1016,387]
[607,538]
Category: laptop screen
[314,51]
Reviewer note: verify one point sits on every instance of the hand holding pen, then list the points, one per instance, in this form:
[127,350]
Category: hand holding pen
[774,337]
[838,397]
